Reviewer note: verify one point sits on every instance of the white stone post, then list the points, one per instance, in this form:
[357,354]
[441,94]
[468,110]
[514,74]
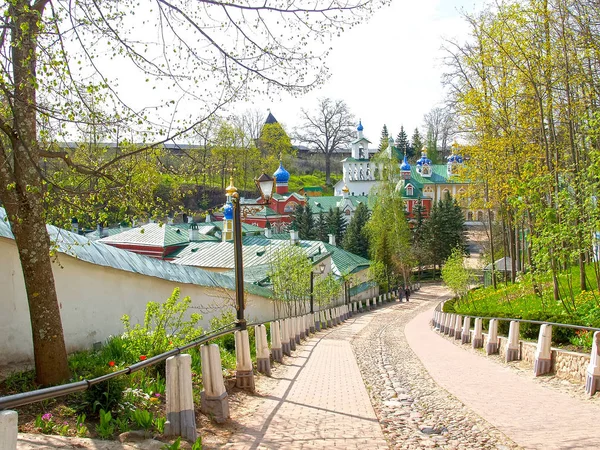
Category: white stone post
[465,336]
[368,304]
[458,326]
[286,348]
[276,349]
[328,318]
[301,329]
[291,332]
[307,327]
[478,334]
[491,347]
[543,352]
[512,350]
[213,399]
[442,322]
[181,418]
[311,322]
[263,356]
[9,428]
[244,378]
[451,322]
[360,306]
[592,378]
[297,329]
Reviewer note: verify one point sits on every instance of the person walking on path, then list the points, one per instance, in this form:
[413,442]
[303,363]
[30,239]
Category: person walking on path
[407,293]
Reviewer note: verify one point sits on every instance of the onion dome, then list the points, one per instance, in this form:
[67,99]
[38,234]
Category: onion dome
[360,126]
[228,211]
[424,159]
[231,189]
[281,175]
[405,165]
[345,189]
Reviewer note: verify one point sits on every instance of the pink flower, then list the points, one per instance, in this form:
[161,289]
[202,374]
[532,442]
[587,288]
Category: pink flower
[47,416]
[157,395]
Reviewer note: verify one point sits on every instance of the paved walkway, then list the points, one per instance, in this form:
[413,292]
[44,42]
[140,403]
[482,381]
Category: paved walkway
[531,414]
[320,402]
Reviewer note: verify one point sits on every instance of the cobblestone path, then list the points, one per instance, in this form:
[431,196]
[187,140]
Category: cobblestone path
[413,410]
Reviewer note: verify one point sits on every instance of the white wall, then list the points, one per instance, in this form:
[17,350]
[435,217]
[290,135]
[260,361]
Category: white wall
[93,299]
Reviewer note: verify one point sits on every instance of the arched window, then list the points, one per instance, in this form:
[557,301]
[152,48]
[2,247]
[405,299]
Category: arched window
[428,191]
[480,216]
[470,216]
[409,190]
[445,193]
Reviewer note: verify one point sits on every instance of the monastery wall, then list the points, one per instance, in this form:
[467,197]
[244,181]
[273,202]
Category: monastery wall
[93,299]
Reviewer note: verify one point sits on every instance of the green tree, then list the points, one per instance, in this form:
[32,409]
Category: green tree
[356,239]
[336,224]
[384,140]
[326,290]
[303,221]
[274,143]
[402,143]
[455,274]
[290,275]
[321,228]
[416,143]
[47,86]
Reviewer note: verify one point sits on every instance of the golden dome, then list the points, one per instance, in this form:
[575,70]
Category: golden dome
[345,189]
[231,188]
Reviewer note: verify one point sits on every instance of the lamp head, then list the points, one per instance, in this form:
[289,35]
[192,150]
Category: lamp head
[266,185]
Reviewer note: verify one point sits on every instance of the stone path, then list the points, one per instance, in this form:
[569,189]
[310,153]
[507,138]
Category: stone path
[531,413]
[320,402]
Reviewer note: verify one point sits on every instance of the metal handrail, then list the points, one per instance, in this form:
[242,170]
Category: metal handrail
[25,398]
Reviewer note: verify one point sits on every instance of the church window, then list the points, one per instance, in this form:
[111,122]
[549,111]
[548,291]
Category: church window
[425,170]
[290,207]
[409,190]
[347,212]
[470,216]
[445,193]
[480,216]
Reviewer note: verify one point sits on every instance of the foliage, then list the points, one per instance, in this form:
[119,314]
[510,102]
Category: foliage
[321,228]
[326,290]
[384,139]
[336,224]
[164,328]
[142,418]
[303,221]
[106,427]
[455,275]
[416,143]
[290,275]
[402,143]
[356,239]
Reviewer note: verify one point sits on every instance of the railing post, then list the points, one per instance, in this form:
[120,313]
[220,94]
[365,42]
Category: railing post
[181,418]
[213,399]
[9,428]
[512,350]
[263,359]
[311,321]
[296,321]
[543,355]
[285,338]
[276,350]
[244,377]
[478,334]
[466,331]
[301,328]
[458,327]
[360,306]
[317,321]
[592,378]
[368,304]
[491,347]
[451,323]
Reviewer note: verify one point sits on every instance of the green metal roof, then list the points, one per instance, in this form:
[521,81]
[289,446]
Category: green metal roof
[246,227]
[323,204]
[439,175]
[94,235]
[151,234]
[345,262]
[351,159]
[313,188]
[95,252]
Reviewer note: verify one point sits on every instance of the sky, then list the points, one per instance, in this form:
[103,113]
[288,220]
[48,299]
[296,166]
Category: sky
[388,70]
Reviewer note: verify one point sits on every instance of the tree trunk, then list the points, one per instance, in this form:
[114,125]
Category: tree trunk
[327,168]
[24,203]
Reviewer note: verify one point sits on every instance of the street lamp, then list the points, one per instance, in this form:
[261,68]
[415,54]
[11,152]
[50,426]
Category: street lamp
[265,186]
[312,283]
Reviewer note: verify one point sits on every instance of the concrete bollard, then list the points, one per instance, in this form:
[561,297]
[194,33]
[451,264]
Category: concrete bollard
[491,347]
[328,318]
[244,377]
[301,333]
[592,377]
[307,327]
[465,337]
[368,304]
[458,325]
[213,399]
[360,306]
[543,352]
[318,321]
[286,347]
[311,322]
[263,356]
[451,323]
[512,350]
[181,418]
[9,428]
[478,334]
[291,332]
[442,322]
[276,349]
[297,330]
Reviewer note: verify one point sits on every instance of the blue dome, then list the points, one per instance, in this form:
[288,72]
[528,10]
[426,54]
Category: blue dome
[281,175]
[228,211]
[405,165]
[424,160]
[459,159]
[360,127]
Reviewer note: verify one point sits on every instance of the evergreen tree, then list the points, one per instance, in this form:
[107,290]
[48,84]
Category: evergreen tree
[383,141]
[418,231]
[297,217]
[417,143]
[336,224]
[321,228]
[402,143]
[444,230]
[356,239]
[308,224]
[432,149]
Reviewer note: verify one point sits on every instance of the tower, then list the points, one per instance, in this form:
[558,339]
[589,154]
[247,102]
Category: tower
[424,164]
[282,177]
[405,168]
[360,146]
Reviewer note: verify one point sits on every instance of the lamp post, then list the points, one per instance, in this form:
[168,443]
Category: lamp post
[265,186]
[312,284]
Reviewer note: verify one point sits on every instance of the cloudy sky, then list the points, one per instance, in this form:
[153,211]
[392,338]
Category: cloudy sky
[388,69]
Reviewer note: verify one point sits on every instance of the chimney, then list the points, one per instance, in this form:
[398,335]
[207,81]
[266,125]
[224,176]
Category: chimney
[208,219]
[268,233]
[194,234]
[331,239]
[100,230]
[294,237]
[74,225]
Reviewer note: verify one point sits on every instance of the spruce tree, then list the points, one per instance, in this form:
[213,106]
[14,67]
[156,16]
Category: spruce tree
[308,224]
[356,239]
[444,230]
[321,228]
[417,143]
[402,142]
[383,141]
[297,217]
[336,224]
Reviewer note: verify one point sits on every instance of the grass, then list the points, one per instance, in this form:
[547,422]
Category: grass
[521,301]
